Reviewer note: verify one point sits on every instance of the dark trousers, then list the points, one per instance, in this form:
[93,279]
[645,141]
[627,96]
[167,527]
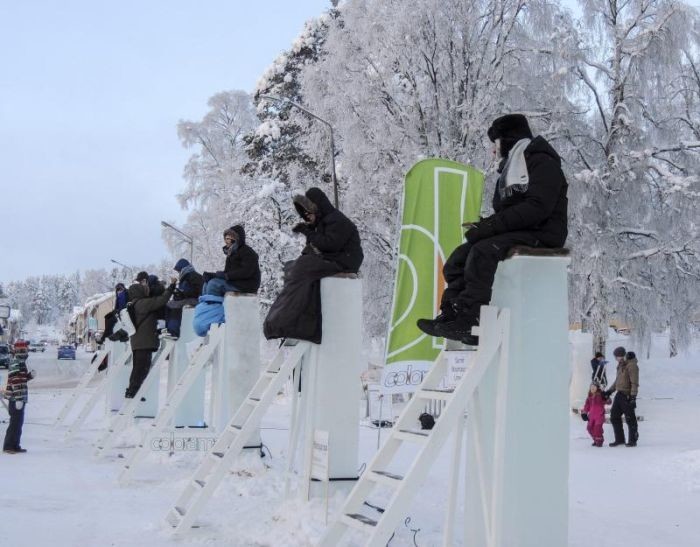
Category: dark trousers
[470,270]
[141,364]
[622,406]
[296,312]
[14,430]
[173,314]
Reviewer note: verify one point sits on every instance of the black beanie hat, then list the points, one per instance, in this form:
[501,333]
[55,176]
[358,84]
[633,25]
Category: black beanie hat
[510,126]
[619,352]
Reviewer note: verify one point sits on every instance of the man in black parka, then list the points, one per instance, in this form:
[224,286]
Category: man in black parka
[530,208]
[241,272]
[332,246]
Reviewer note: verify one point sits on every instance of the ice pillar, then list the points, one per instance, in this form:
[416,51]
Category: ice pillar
[517,476]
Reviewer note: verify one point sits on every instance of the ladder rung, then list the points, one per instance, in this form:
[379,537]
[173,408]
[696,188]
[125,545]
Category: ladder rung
[236,427]
[411,436]
[180,511]
[199,483]
[173,518]
[386,478]
[218,454]
[436,394]
[359,522]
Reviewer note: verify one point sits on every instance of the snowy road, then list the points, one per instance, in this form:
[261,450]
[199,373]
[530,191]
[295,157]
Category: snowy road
[58,494]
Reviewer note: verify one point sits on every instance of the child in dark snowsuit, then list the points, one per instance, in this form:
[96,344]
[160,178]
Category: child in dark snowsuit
[594,413]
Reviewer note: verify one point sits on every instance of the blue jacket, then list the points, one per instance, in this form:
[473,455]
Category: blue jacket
[209,310]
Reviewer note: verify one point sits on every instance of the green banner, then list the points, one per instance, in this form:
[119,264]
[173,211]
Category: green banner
[439,195]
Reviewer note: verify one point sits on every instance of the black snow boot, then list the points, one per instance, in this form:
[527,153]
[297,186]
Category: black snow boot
[460,329]
[429,326]
[617,443]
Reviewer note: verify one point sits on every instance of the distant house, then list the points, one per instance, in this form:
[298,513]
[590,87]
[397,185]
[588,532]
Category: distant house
[89,318]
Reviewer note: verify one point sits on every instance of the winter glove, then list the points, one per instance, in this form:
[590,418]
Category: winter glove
[632,400]
[220,275]
[483,229]
[302,228]
[207,276]
[607,394]
[584,416]
[19,405]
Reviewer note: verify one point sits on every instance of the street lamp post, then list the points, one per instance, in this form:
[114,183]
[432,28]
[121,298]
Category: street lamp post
[330,133]
[186,237]
[122,265]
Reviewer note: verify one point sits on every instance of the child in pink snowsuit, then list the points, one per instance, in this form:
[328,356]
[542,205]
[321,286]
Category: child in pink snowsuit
[594,412]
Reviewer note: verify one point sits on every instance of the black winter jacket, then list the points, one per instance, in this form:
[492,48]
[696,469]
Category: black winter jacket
[333,235]
[540,210]
[146,311]
[242,268]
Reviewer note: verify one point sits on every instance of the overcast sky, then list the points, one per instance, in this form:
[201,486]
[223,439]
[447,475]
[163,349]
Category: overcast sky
[90,94]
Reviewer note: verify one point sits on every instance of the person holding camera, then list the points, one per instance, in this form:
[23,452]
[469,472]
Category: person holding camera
[145,340]
[626,385]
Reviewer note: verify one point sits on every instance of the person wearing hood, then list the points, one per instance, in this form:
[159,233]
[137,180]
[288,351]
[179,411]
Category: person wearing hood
[626,385]
[332,246]
[189,288]
[145,340]
[329,233]
[241,272]
[530,208]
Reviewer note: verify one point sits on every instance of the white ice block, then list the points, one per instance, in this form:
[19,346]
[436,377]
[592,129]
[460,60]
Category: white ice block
[335,405]
[239,368]
[532,467]
[190,413]
[149,407]
[118,377]
[580,346]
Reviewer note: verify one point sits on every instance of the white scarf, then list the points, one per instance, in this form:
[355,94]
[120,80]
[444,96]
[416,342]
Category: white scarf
[514,177]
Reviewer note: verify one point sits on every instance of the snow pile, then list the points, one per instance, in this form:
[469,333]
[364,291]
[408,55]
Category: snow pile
[58,494]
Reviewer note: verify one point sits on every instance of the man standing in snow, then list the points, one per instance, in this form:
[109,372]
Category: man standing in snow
[145,340]
[17,395]
[530,208]
[627,385]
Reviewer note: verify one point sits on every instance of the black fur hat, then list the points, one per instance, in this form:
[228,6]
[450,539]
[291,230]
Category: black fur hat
[510,127]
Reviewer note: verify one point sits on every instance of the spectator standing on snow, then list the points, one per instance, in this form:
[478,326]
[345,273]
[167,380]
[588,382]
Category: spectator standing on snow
[530,208]
[16,393]
[593,412]
[626,385]
[241,271]
[332,246]
[145,340]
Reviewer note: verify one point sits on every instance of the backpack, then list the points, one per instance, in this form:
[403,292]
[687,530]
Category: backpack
[127,318]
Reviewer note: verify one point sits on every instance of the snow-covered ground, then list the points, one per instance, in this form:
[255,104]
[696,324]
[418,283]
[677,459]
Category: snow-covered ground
[58,494]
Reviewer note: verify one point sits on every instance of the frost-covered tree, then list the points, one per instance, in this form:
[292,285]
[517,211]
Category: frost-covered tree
[279,147]
[403,80]
[637,240]
[219,195]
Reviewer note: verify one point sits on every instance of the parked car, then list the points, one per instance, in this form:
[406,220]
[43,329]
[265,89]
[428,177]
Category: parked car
[66,352]
[5,356]
[37,346]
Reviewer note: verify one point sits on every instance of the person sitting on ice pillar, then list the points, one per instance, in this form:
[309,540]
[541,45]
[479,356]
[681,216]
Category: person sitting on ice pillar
[332,247]
[530,208]
[241,271]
